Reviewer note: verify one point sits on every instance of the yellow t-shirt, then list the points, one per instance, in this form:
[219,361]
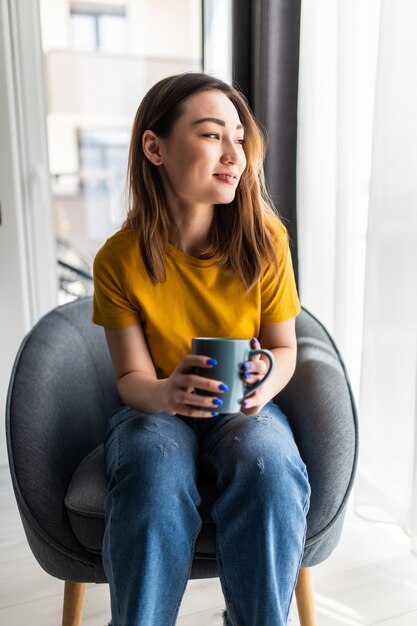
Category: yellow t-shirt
[198,298]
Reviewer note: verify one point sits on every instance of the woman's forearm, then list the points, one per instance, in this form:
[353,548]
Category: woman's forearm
[285,360]
[142,392]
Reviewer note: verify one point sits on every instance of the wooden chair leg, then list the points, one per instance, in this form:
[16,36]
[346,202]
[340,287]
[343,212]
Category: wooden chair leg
[305,598]
[73,604]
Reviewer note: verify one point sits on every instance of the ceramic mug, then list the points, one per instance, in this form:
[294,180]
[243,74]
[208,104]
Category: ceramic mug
[230,355]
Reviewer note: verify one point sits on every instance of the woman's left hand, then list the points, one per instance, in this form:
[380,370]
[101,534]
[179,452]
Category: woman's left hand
[253,371]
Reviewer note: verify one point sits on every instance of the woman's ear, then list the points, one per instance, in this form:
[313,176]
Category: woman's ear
[151,147]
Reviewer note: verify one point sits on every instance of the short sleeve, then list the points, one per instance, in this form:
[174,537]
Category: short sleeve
[279,298]
[111,306]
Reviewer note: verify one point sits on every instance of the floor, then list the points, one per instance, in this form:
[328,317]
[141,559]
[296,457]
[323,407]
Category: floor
[370,579]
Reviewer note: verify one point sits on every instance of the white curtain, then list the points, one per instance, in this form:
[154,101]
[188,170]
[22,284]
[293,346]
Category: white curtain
[357,203]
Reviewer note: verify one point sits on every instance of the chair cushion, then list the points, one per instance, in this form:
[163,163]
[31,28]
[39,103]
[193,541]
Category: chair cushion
[86,494]
[84,500]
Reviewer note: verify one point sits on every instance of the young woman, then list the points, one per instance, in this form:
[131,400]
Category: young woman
[202,253]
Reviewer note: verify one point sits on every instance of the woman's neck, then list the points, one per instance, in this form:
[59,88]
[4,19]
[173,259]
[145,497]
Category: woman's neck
[193,225]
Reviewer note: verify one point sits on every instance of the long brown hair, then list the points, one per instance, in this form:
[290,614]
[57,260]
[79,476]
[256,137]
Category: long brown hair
[240,238]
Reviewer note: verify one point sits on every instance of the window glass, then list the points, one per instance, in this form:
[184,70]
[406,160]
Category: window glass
[100,60]
[112,33]
[83,32]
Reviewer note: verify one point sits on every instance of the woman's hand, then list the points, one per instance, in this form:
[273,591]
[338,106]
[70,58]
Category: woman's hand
[178,389]
[253,371]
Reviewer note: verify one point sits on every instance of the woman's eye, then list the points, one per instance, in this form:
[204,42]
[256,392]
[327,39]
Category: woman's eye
[217,136]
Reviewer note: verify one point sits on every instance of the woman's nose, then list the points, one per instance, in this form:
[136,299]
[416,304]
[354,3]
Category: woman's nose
[230,153]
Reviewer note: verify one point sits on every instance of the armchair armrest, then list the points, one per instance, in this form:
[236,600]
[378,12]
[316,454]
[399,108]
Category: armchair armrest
[60,396]
[320,407]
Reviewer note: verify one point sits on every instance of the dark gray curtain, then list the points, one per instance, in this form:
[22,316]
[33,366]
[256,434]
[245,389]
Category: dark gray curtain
[266,35]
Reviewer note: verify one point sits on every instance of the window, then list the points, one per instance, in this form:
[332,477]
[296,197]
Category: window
[103,159]
[109,56]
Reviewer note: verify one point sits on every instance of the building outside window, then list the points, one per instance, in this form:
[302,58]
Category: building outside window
[100,59]
[98,28]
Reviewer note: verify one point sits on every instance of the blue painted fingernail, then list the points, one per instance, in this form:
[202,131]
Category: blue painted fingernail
[211,362]
[247,366]
[246,376]
[217,402]
[245,404]
[254,339]
[223,387]
[214,413]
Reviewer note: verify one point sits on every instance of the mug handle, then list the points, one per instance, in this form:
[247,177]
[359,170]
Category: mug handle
[271,358]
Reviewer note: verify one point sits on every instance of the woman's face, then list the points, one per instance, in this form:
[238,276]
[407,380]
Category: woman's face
[203,159]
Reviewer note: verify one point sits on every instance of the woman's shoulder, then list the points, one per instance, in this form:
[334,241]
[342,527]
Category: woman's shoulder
[276,225]
[121,248]
[277,229]
[120,239]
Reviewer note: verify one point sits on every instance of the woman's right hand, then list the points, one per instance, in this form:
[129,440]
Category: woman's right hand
[178,389]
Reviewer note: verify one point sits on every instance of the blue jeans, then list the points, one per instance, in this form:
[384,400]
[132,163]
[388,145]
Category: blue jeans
[152,521]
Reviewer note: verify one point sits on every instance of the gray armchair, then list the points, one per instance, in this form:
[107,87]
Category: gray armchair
[61,394]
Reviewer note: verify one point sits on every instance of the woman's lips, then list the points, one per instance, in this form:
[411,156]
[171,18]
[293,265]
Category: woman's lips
[229,179]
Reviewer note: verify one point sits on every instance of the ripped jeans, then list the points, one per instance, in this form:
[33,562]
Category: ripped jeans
[152,518]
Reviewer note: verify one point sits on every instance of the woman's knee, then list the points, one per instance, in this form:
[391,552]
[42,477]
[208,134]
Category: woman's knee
[267,466]
[274,469]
